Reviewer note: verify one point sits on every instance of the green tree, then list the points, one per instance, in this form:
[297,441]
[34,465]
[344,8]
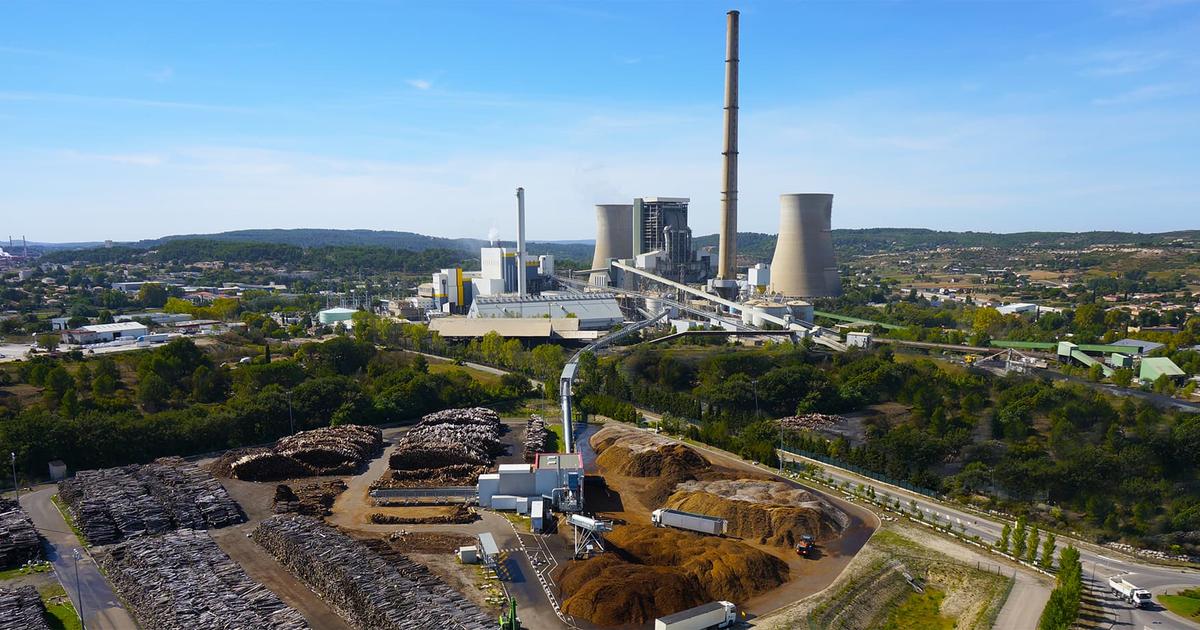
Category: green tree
[105,317]
[1096,373]
[1020,536]
[1034,540]
[1047,561]
[1122,377]
[153,295]
[1005,534]
[48,341]
[153,392]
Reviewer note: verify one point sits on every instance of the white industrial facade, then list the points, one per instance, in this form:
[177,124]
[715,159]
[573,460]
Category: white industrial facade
[100,333]
[593,310]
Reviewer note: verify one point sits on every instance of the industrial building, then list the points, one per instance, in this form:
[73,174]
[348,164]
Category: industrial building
[331,316]
[595,311]
[101,333]
[552,481]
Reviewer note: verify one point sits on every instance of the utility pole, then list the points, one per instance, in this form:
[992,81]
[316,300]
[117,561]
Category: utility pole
[291,420]
[78,593]
[17,488]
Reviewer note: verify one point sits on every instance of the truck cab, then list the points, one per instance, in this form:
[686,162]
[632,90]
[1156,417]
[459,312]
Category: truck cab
[806,545]
[1141,598]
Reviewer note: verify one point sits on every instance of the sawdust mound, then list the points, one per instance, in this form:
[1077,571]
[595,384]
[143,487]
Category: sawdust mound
[654,572]
[768,512]
[609,591]
[639,454]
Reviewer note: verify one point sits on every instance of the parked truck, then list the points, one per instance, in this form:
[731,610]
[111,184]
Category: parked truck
[1124,589]
[703,617]
[144,340]
[712,525]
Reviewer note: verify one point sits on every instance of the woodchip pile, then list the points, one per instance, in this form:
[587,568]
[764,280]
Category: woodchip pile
[340,450]
[455,475]
[183,580]
[453,436]
[115,503]
[367,589]
[453,515]
[18,539]
[313,499]
[769,512]
[810,421]
[537,437]
[21,609]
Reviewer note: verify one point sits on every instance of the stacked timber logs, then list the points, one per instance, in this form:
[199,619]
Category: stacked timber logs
[537,437]
[453,436]
[313,499]
[456,475]
[18,539]
[184,581]
[366,589]
[170,493]
[21,609]
[337,450]
[810,421]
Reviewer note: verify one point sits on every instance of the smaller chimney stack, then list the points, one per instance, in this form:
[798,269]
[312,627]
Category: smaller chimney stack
[521,242]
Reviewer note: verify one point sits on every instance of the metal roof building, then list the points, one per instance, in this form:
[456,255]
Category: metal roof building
[1143,347]
[595,311]
[1154,367]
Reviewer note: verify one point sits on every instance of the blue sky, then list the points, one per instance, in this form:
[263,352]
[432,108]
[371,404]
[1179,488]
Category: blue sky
[134,120]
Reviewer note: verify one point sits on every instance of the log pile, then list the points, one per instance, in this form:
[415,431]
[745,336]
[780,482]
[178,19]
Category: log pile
[21,609]
[183,580]
[537,437]
[313,499]
[364,587]
[810,421]
[449,437]
[455,475]
[458,514]
[115,503]
[18,539]
[340,450]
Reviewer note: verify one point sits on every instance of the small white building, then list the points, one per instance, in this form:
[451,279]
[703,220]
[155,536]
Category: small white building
[759,277]
[331,316]
[858,340]
[519,487]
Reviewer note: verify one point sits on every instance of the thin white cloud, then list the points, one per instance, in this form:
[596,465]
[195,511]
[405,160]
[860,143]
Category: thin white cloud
[1111,63]
[1145,94]
[420,84]
[131,159]
[88,99]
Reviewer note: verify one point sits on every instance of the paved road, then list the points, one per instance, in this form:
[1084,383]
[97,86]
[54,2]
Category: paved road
[101,608]
[1098,564]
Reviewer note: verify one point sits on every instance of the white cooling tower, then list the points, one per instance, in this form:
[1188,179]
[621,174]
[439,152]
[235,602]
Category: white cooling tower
[614,237]
[803,265]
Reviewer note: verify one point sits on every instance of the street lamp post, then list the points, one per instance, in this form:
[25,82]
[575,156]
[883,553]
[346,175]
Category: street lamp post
[17,488]
[291,419]
[78,593]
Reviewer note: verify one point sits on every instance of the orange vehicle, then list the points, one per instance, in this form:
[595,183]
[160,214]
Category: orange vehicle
[806,545]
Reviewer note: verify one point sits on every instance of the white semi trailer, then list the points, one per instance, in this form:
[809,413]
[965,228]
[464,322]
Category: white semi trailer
[712,525]
[703,617]
[1124,589]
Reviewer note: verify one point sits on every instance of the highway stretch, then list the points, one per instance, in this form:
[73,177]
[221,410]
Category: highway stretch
[1099,563]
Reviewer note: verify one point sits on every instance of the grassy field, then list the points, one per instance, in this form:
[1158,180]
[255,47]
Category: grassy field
[9,574]
[60,614]
[487,378]
[1186,604]
[66,514]
[920,611]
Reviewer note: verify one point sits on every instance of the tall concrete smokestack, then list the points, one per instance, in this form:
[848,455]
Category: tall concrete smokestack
[614,237]
[803,265]
[521,271]
[727,257]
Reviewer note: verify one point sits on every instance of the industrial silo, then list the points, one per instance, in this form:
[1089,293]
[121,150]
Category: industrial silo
[614,237]
[803,265]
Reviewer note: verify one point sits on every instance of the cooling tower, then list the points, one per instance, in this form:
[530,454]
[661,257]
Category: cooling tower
[803,265]
[614,237]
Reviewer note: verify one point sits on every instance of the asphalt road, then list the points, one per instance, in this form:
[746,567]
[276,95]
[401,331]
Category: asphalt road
[102,609]
[1098,564]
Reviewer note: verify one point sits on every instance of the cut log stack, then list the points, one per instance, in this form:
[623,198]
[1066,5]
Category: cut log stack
[183,581]
[364,587]
[18,539]
[455,475]
[340,450]
[537,437]
[449,437]
[21,609]
[313,499]
[810,421]
[112,504]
